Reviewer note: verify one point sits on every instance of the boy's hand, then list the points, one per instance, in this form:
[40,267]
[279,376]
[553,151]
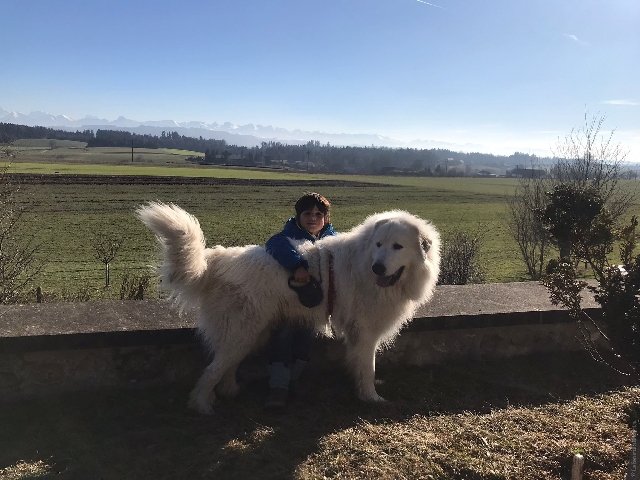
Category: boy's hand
[301,275]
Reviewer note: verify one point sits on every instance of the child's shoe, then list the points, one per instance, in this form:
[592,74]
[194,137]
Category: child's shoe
[279,379]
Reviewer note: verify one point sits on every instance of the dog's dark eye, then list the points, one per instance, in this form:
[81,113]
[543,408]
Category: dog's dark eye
[378,244]
[397,246]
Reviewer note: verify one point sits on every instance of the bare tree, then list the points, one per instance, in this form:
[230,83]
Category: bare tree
[105,249]
[19,264]
[524,222]
[585,218]
[586,158]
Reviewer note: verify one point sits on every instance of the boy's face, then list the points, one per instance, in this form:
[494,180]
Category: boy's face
[312,220]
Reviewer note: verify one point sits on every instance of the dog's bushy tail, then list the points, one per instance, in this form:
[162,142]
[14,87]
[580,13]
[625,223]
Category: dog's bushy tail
[182,242]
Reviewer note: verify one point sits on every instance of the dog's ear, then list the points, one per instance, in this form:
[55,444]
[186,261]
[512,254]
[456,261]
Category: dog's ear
[377,225]
[426,245]
[380,222]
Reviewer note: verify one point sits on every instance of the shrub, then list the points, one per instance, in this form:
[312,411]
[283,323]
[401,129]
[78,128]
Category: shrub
[133,286]
[617,291]
[459,258]
[19,264]
[584,178]
[525,224]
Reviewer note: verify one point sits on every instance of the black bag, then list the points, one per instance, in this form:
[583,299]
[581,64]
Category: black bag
[309,294]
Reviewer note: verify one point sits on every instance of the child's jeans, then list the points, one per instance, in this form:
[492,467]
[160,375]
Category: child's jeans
[290,349]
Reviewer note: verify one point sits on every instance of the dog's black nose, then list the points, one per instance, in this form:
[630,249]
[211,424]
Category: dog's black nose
[378,268]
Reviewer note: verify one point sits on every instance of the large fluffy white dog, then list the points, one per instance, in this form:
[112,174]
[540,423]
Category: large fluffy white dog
[374,278]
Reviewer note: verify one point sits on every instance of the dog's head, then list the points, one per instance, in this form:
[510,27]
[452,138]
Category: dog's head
[405,253]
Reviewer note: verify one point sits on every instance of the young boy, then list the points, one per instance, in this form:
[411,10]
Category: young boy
[290,345]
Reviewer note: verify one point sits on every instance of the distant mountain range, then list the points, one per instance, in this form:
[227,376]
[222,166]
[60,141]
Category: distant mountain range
[243,135]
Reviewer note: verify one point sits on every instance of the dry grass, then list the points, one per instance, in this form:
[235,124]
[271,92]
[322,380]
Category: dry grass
[24,470]
[517,419]
[516,443]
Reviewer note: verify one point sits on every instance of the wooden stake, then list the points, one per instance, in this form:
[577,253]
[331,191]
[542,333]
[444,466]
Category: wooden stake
[578,467]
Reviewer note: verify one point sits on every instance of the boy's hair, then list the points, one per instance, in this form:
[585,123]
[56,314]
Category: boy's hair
[310,200]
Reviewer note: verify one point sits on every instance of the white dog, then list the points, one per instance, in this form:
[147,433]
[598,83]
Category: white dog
[373,277]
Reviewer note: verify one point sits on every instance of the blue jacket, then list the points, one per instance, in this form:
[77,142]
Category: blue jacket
[281,249]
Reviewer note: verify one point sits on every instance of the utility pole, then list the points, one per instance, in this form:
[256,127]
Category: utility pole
[131,149]
[307,161]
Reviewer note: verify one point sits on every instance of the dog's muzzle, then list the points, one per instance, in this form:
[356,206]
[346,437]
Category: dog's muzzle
[385,281]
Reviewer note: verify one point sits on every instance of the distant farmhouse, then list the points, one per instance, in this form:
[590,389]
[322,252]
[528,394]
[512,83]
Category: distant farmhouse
[522,172]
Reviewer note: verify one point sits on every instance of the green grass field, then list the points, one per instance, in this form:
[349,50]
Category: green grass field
[64,218]
[50,154]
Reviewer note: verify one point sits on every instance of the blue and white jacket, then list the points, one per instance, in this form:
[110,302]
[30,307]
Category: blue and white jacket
[281,249]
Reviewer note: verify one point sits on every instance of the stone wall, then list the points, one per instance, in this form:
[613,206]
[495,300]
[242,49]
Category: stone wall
[43,372]
[61,347]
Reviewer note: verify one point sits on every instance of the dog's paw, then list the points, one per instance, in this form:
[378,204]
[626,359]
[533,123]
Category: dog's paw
[372,397]
[203,408]
[229,390]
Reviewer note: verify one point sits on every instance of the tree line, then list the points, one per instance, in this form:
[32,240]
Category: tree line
[10,132]
[312,155]
[119,138]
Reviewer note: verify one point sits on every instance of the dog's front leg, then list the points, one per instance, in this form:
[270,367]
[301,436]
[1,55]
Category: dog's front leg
[228,387]
[203,395]
[361,358]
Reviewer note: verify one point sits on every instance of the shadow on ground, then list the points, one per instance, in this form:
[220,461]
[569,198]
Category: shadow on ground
[150,434]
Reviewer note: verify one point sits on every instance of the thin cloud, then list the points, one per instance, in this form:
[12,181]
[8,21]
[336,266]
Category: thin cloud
[575,39]
[622,102]
[431,4]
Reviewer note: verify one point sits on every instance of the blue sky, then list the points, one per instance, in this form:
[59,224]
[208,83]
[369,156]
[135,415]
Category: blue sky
[504,74]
